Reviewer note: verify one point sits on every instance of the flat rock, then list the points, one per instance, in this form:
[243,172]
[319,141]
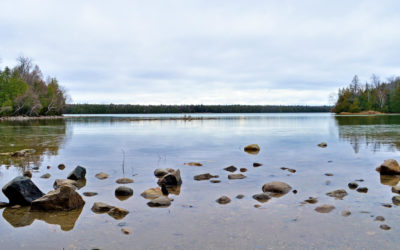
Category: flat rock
[323,145]
[123,191]
[162,201]
[124,180]
[101,207]
[311,200]
[362,190]
[196,164]
[90,194]
[389,167]
[262,197]
[236,176]
[171,179]
[256,164]
[78,173]
[396,189]
[65,182]
[384,227]
[379,218]
[276,187]
[202,177]
[215,181]
[231,169]
[252,149]
[21,191]
[352,185]
[337,194]
[328,174]
[46,176]
[152,193]
[101,176]
[223,200]
[63,199]
[326,208]
[118,213]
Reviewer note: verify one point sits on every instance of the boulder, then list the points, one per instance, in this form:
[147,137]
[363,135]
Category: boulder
[223,200]
[262,197]
[337,194]
[171,179]
[236,176]
[152,193]
[101,207]
[77,174]
[124,180]
[123,191]
[389,167]
[202,177]
[63,199]
[160,172]
[101,176]
[118,213]
[326,208]
[276,187]
[252,149]
[231,169]
[162,201]
[21,191]
[65,182]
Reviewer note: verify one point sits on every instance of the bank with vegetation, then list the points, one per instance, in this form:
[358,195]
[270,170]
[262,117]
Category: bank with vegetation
[376,95]
[25,92]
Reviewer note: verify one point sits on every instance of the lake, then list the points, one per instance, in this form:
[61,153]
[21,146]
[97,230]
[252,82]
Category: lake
[194,220]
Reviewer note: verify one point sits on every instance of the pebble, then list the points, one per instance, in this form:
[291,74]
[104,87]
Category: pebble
[89,194]
[257,205]
[362,190]
[380,218]
[125,230]
[45,176]
[328,174]
[352,185]
[256,164]
[326,208]
[243,170]
[346,213]
[239,196]
[101,176]
[223,200]
[231,169]
[385,227]
[61,166]
[215,181]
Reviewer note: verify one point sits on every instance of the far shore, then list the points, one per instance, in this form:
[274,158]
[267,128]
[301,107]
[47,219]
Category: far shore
[26,118]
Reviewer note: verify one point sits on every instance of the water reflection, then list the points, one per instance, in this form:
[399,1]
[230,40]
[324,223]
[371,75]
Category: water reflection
[375,132]
[44,136]
[22,217]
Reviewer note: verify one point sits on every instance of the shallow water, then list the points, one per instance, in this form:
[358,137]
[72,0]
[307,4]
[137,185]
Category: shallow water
[356,146]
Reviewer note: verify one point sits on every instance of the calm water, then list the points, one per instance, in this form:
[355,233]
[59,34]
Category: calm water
[356,146]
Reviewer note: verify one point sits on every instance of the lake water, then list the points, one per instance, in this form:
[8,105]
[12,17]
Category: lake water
[194,220]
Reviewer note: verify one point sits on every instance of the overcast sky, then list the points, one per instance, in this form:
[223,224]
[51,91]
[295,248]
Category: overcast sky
[203,52]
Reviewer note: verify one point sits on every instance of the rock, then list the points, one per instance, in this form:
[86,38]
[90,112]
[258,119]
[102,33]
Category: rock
[277,188]
[65,182]
[28,174]
[328,182]
[236,176]
[243,170]
[283,168]
[360,180]
[352,185]
[291,170]
[215,181]
[239,196]
[389,180]
[46,176]
[162,201]
[101,176]
[152,193]
[63,199]
[294,191]
[384,227]
[125,230]
[323,145]
[48,167]
[326,208]
[123,191]
[396,200]
[346,213]
[223,200]
[362,190]
[171,179]
[257,205]
[262,197]
[202,177]
[231,169]
[160,172]
[21,191]
[379,218]
[35,168]
[23,152]
[387,205]
[311,200]
[252,149]
[101,207]
[4,204]
[196,164]
[90,194]
[124,180]
[118,213]
[337,194]
[77,174]
[61,166]
[396,189]
[328,174]
[256,164]
[389,167]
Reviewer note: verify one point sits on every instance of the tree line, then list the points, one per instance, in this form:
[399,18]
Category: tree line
[154,109]
[376,95]
[23,91]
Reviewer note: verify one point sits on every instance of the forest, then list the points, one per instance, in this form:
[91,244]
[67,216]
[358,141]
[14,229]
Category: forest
[376,95]
[24,92]
[153,109]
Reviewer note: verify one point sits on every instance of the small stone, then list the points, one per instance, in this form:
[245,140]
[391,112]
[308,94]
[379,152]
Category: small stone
[379,218]
[101,176]
[61,166]
[283,168]
[63,199]
[152,193]
[118,213]
[159,172]
[45,176]
[162,201]
[65,182]
[123,191]
[256,164]
[291,170]
[236,176]
[389,167]
[90,194]
[48,167]
[396,200]
[239,196]
[252,149]
[328,174]
[384,227]
[294,191]
[196,164]
[223,200]
[338,194]
[257,205]
[326,208]
[243,170]
[362,190]
[360,180]
[387,205]
[346,213]
[396,189]
[101,207]
[125,230]
[311,200]
[262,197]
[203,177]
[124,180]
[323,145]
[35,168]
[28,174]
[231,169]
[328,182]
[215,181]
[352,185]
[277,188]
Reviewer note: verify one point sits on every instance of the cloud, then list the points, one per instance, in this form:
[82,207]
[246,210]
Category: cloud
[210,52]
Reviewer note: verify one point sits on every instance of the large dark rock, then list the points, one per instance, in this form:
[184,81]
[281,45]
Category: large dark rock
[123,191]
[171,179]
[63,199]
[22,191]
[78,173]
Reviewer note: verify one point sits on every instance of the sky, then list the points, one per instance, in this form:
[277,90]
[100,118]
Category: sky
[203,52]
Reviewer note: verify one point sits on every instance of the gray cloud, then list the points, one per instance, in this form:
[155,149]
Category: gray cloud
[258,52]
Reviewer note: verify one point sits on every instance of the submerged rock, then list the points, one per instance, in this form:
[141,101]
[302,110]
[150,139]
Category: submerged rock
[203,177]
[326,208]
[90,194]
[256,164]
[45,176]
[123,191]
[239,196]
[78,173]
[101,207]
[118,213]
[101,176]
[379,218]
[389,167]
[236,176]
[323,145]
[389,180]
[362,190]
[396,200]
[311,200]
[162,201]
[231,169]
[384,227]
[152,193]
[124,180]
[223,200]
[277,188]
[338,194]
[396,189]
[252,149]
[171,179]
[262,197]
[346,213]
[196,164]
[352,185]
[21,191]
[63,199]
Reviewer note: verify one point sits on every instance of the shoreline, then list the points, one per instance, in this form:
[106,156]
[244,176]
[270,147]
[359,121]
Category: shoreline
[28,118]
